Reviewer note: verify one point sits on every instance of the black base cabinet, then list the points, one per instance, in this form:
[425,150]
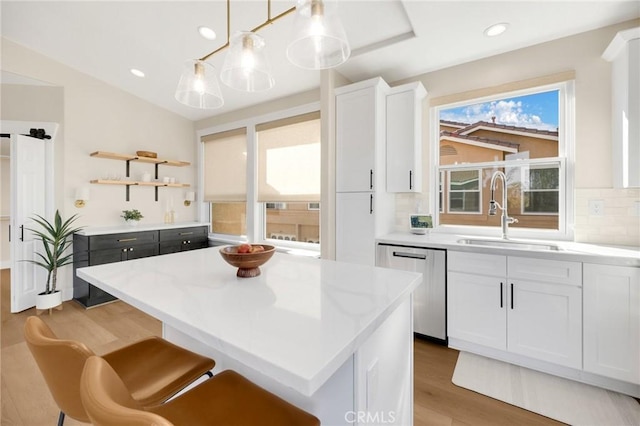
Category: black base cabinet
[183,239]
[108,248]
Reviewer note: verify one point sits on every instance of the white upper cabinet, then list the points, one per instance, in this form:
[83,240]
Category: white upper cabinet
[360,136]
[624,54]
[404,138]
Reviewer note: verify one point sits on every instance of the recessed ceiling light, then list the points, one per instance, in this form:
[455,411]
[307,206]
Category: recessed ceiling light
[137,72]
[496,29]
[207,33]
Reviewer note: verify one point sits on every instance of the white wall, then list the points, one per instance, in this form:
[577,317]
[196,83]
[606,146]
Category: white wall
[99,117]
[580,53]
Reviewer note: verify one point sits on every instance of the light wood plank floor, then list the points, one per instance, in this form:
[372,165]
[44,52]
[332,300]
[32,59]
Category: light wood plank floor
[25,399]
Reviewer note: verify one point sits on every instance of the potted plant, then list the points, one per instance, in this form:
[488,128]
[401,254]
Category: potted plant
[131,217]
[56,240]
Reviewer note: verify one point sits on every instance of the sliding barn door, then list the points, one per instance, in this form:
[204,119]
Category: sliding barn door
[28,195]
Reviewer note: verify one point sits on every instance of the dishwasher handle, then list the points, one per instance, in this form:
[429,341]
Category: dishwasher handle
[409,255]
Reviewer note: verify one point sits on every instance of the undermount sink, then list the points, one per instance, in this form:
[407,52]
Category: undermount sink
[510,244]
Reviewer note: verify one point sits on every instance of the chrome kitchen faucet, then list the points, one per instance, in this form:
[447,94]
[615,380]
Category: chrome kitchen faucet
[505,220]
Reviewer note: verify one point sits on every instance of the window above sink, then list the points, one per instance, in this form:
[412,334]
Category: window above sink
[526,134]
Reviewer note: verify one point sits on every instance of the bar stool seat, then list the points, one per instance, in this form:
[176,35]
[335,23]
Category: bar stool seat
[225,399]
[152,369]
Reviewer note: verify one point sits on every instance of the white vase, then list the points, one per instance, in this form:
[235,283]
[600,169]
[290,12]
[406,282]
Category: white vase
[132,223]
[48,301]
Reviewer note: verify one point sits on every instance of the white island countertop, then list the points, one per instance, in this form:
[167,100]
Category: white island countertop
[297,322]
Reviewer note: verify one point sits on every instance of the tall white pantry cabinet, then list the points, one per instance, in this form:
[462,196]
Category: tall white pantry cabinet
[363,208]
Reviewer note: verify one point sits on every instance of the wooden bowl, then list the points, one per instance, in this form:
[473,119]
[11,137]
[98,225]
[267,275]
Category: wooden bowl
[248,264]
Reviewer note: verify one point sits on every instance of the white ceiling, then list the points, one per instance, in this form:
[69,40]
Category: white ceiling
[394,39]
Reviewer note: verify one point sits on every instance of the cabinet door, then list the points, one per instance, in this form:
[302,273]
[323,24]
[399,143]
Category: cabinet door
[355,140]
[545,322]
[355,228]
[476,309]
[142,250]
[612,321]
[404,142]
[100,257]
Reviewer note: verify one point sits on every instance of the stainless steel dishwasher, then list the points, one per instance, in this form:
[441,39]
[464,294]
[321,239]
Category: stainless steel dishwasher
[429,299]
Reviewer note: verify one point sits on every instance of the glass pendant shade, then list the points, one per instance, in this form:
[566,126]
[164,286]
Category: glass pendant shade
[198,86]
[246,67]
[318,38]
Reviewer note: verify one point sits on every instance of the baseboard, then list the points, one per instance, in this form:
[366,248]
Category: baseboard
[5,264]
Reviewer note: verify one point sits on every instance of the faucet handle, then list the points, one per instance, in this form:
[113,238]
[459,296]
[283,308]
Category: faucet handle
[512,220]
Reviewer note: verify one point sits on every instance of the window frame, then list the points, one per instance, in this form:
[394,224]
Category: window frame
[256,211]
[566,155]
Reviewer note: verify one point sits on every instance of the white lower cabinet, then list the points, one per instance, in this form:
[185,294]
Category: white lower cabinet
[530,307]
[612,321]
[545,322]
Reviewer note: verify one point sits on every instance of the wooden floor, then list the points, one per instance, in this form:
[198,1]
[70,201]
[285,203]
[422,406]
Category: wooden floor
[25,399]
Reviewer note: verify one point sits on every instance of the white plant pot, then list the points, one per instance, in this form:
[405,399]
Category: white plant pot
[132,223]
[48,301]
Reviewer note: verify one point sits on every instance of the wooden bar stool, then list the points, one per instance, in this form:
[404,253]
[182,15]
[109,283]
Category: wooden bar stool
[225,399]
[152,369]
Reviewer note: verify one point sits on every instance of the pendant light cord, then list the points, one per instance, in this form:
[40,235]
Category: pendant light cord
[268,21]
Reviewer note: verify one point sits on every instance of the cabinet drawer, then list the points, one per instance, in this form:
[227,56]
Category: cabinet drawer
[127,239]
[193,233]
[475,263]
[544,270]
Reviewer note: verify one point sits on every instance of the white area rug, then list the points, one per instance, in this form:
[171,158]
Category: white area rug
[564,400]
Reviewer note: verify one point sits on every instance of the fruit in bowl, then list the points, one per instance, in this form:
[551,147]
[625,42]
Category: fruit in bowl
[247,258]
[249,248]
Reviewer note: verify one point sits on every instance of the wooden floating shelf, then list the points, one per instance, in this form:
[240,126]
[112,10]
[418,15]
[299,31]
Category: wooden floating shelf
[137,183]
[129,157]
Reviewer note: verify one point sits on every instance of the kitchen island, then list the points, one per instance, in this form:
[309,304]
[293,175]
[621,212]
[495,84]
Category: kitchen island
[333,338]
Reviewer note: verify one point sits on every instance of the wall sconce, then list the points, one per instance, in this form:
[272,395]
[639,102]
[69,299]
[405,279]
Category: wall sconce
[82,196]
[189,197]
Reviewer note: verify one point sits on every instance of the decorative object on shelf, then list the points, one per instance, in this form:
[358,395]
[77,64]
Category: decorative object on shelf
[56,240]
[247,258]
[147,154]
[82,196]
[131,217]
[318,42]
[189,197]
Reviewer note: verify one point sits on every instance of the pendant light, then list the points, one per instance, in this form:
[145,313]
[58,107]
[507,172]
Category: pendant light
[246,67]
[318,38]
[319,42]
[198,86]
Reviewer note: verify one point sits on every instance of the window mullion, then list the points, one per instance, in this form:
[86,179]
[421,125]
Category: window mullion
[254,226]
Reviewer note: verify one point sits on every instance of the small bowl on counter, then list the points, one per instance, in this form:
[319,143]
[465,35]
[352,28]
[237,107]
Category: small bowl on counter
[247,258]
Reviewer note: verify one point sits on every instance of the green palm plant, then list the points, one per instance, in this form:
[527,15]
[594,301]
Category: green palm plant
[56,240]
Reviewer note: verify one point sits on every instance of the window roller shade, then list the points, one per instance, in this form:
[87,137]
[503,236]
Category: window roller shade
[289,159]
[225,166]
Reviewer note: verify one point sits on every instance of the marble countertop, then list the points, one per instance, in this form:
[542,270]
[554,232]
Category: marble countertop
[121,229]
[572,251]
[297,322]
